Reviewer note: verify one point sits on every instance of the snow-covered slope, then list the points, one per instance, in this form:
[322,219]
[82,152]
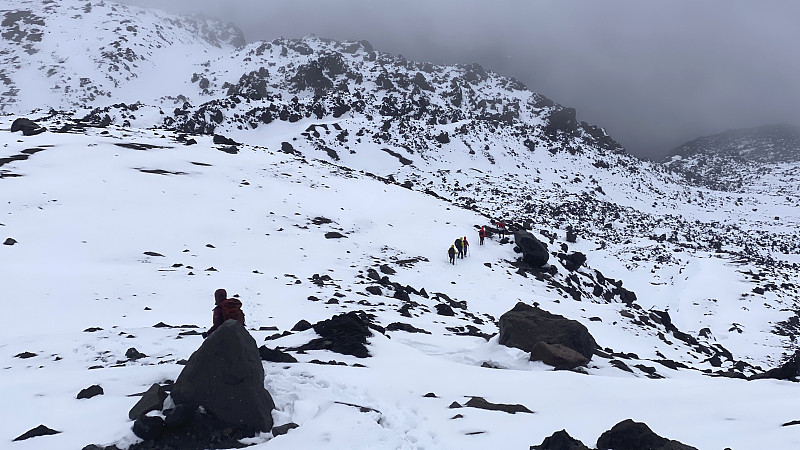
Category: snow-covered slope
[117,223]
[762,159]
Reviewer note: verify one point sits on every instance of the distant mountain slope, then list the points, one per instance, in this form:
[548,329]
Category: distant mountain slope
[70,54]
[738,159]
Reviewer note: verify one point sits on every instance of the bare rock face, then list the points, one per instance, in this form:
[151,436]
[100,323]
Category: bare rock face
[225,376]
[525,326]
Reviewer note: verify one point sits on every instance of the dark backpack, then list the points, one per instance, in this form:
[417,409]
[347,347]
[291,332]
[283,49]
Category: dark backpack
[232,309]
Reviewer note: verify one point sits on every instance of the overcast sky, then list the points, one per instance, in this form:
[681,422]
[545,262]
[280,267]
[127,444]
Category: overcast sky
[654,73]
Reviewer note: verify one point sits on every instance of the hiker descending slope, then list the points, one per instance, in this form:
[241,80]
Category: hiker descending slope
[459,247]
[226,308]
[482,234]
[451,252]
[465,244]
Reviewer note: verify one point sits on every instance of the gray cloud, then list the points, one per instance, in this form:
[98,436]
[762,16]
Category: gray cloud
[654,73]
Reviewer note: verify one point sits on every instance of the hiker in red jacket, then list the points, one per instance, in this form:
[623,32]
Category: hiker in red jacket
[482,234]
[501,228]
[226,308]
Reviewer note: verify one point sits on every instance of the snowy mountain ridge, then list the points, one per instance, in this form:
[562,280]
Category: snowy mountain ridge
[293,171]
[742,160]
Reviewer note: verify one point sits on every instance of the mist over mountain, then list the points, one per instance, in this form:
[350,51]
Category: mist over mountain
[148,159]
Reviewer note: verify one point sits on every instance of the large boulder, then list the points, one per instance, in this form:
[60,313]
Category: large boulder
[225,376]
[524,326]
[790,370]
[558,356]
[630,435]
[534,252]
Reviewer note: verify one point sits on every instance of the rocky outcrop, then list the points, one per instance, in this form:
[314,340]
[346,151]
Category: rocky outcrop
[630,435]
[524,326]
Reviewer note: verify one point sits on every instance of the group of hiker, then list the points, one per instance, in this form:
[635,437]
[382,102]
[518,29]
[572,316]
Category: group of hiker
[458,249]
[460,246]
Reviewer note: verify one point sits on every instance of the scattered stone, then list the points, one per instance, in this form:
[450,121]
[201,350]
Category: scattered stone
[10,241]
[283,429]
[27,126]
[226,377]
[630,435]
[90,392]
[152,400]
[524,326]
[24,355]
[153,254]
[344,333]
[302,325]
[443,309]
[560,440]
[430,395]
[334,235]
[275,355]
[148,427]
[374,290]
[41,430]
[481,403]
[92,329]
[133,354]
[455,405]
[408,328]
[387,270]
[558,356]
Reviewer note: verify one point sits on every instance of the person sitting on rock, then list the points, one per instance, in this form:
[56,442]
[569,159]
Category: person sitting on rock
[226,308]
[451,252]
[459,247]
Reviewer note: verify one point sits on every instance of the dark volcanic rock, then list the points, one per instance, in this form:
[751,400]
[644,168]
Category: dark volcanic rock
[90,392]
[275,355]
[283,429]
[344,333]
[302,325]
[481,403]
[152,400]
[226,377]
[9,241]
[27,126]
[560,440]
[630,435]
[534,252]
[525,326]
[443,309]
[573,261]
[148,428]
[558,356]
[41,430]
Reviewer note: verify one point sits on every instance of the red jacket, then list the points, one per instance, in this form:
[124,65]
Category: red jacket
[232,305]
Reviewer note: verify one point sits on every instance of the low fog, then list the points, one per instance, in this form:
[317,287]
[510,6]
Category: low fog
[654,74]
